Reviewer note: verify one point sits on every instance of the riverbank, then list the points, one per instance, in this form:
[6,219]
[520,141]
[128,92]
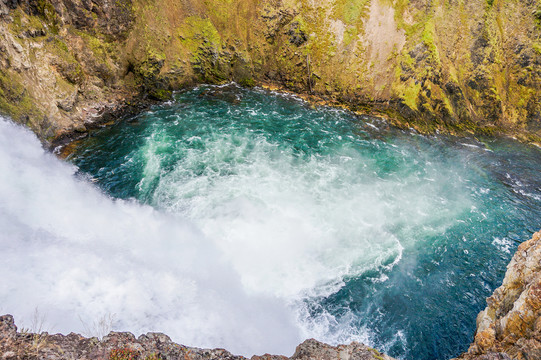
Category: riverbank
[64,64]
[64,143]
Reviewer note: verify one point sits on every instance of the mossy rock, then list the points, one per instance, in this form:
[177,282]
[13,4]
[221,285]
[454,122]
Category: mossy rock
[247,82]
[16,102]
[160,94]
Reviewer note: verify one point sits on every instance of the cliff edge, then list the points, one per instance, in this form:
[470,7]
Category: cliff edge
[511,323]
[151,346]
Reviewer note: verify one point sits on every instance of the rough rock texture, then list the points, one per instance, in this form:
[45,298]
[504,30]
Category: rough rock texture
[510,326]
[151,346]
[448,65]
[55,76]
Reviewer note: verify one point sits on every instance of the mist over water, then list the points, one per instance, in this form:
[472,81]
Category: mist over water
[78,256]
[248,220]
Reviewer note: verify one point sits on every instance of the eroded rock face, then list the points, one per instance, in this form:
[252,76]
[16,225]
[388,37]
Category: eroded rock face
[511,323]
[456,66]
[56,75]
[151,346]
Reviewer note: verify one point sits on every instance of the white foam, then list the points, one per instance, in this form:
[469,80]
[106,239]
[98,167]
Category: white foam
[297,227]
[503,244]
[228,261]
[78,255]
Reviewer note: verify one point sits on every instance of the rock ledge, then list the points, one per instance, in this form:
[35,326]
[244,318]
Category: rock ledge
[150,346]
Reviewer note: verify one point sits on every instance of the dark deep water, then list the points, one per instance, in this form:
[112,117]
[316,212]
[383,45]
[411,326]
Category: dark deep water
[364,232]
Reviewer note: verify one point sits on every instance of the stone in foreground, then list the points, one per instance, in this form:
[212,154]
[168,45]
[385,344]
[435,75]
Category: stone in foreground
[151,346]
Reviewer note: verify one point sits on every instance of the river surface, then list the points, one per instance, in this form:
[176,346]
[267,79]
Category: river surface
[249,220]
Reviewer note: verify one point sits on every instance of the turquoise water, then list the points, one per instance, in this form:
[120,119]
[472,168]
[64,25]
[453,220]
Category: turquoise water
[364,232]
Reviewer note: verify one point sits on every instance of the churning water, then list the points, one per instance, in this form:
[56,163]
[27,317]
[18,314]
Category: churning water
[246,219]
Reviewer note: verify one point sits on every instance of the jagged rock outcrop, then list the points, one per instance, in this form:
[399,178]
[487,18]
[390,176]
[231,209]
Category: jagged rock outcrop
[151,346]
[455,66]
[510,326]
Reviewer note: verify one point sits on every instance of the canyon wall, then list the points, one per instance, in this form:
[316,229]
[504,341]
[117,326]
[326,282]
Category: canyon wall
[454,66]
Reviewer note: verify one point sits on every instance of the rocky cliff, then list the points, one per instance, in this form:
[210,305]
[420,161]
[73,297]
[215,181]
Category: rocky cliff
[454,65]
[511,323]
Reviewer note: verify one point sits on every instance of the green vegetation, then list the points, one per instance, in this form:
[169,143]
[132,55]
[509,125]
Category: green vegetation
[15,99]
[409,93]
[47,11]
[376,354]
[400,7]
[23,22]
[99,47]
[203,43]
[65,62]
[123,354]
[221,10]
[537,47]
[160,94]
[537,16]
[247,82]
[447,72]
[153,356]
[351,11]
[428,36]
[130,354]
[197,31]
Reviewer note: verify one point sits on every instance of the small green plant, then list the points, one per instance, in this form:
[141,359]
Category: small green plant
[537,16]
[247,82]
[123,354]
[376,354]
[153,356]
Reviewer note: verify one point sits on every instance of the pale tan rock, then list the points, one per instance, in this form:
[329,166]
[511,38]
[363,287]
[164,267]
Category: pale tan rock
[511,322]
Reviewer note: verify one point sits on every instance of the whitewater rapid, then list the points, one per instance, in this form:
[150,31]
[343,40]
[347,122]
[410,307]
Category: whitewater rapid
[79,258]
[215,262]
